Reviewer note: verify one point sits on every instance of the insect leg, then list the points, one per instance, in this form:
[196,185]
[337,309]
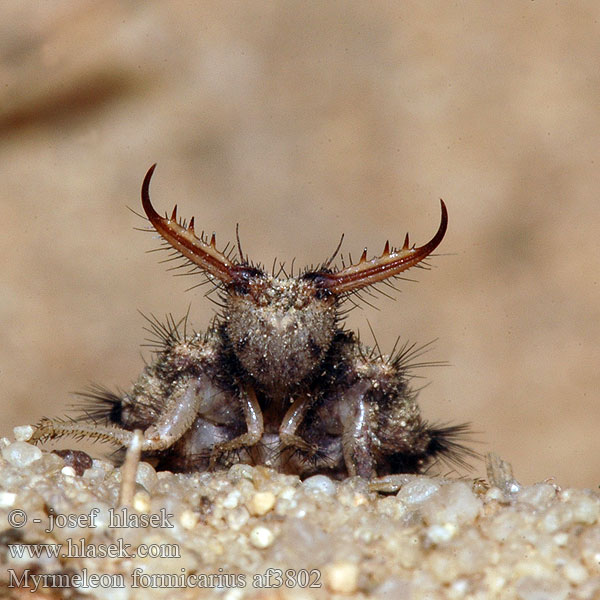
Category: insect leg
[254,424]
[357,434]
[174,420]
[49,429]
[290,423]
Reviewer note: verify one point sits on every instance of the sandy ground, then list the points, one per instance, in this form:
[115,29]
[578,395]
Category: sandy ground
[300,121]
[251,533]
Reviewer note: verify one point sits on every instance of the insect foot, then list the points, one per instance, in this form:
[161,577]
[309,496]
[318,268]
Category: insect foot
[275,379]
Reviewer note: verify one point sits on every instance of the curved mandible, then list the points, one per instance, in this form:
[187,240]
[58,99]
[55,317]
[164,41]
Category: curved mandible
[389,264]
[184,239]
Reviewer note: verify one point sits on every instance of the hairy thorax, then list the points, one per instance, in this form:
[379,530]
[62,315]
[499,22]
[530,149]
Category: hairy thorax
[280,331]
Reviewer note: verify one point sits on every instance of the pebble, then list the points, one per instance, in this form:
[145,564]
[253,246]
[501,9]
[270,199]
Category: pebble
[141,502]
[454,503]
[261,537]
[320,484]
[534,588]
[589,543]
[146,476]
[241,471]
[341,577]
[237,517]
[68,471]
[23,433]
[575,572]
[438,534]
[494,494]
[417,491]
[7,499]
[232,499]
[261,503]
[586,508]
[21,454]
[188,519]
[539,495]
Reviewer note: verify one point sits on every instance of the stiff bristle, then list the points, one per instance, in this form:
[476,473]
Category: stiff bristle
[446,445]
[100,405]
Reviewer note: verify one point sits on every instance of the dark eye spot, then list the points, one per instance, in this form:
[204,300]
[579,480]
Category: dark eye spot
[243,278]
[322,293]
[242,288]
[319,282]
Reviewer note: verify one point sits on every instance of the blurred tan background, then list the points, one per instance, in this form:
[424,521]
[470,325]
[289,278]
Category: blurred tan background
[300,121]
